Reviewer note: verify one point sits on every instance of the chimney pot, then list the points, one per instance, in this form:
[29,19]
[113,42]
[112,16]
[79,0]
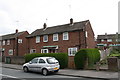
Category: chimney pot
[44,26]
[71,21]
[16,30]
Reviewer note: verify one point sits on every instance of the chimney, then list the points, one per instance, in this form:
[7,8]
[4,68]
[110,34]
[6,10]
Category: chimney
[71,21]
[16,31]
[44,26]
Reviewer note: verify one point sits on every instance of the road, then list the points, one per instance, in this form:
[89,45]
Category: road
[13,74]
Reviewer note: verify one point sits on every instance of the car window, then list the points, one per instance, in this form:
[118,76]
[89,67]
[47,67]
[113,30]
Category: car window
[52,60]
[34,61]
[41,61]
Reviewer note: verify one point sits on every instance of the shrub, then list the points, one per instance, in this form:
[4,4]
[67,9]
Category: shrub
[61,57]
[115,53]
[90,55]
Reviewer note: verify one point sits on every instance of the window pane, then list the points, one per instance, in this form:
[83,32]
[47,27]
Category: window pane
[10,52]
[45,38]
[41,61]
[37,39]
[65,36]
[3,42]
[0,43]
[55,37]
[32,50]
[109,40]
[19,40]
[34,60]
[8,42]
[72,51]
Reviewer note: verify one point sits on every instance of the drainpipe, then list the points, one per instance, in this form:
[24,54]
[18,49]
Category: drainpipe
[17,46]
[16,39]
[79,41]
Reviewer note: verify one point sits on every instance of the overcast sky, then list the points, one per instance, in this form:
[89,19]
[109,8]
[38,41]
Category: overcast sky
[31,14]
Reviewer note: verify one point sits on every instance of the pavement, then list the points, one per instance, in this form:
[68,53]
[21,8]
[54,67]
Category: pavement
[106,75]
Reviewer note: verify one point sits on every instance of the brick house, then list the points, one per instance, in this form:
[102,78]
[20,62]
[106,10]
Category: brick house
[108,40]
[13,44]
[67,38]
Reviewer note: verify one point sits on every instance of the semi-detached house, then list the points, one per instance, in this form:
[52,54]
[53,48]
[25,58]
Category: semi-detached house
[67,38]
[13,45]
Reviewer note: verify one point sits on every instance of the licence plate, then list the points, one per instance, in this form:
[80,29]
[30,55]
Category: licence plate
[55,68]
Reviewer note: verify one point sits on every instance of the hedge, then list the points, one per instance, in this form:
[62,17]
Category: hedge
[61,57]
[90,55]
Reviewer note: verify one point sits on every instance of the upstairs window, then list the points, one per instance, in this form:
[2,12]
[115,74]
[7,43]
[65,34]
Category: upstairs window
[86,33]
[8,42]
[37,39]
[65,36]
[55,37]
[45,38]
[109,40]
[3,42]
[0,43]
[102,40]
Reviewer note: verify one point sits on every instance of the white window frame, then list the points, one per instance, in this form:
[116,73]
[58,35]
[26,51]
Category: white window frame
[31,50]
[102,40]
[109,40]
[0,43]
[86,34]
[43,50]
[8,42]
[3,43]
[71,50]
[55,37]
[37,39]
[10,52]
[20,40]
[65,36]
[45,36]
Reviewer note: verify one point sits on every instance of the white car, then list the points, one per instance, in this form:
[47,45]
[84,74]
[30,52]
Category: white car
[42,64]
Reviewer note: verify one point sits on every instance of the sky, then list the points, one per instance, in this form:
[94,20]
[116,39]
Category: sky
[32,14]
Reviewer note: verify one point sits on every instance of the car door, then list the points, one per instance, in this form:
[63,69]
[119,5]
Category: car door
[41,64]
[33,64]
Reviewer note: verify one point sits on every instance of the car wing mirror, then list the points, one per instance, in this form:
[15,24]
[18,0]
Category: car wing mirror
[30,62]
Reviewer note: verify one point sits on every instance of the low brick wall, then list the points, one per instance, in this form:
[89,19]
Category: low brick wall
[71,63]
[113,63]
[15,60]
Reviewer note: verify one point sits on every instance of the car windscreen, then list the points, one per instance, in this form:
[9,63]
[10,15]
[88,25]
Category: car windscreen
[52,61]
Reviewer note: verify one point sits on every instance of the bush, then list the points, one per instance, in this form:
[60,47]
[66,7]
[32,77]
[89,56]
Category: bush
[90,55]
[61,57]
[115,53]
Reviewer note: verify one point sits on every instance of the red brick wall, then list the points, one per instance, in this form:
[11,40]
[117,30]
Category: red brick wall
[22,47]
[90,40]
[8,47]
[63,44]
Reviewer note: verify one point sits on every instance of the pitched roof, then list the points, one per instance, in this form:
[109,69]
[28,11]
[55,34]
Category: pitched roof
[108,36]
[59,29]
[11,36]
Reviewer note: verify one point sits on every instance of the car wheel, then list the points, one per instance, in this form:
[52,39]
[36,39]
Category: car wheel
[44,72]
[25,69]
